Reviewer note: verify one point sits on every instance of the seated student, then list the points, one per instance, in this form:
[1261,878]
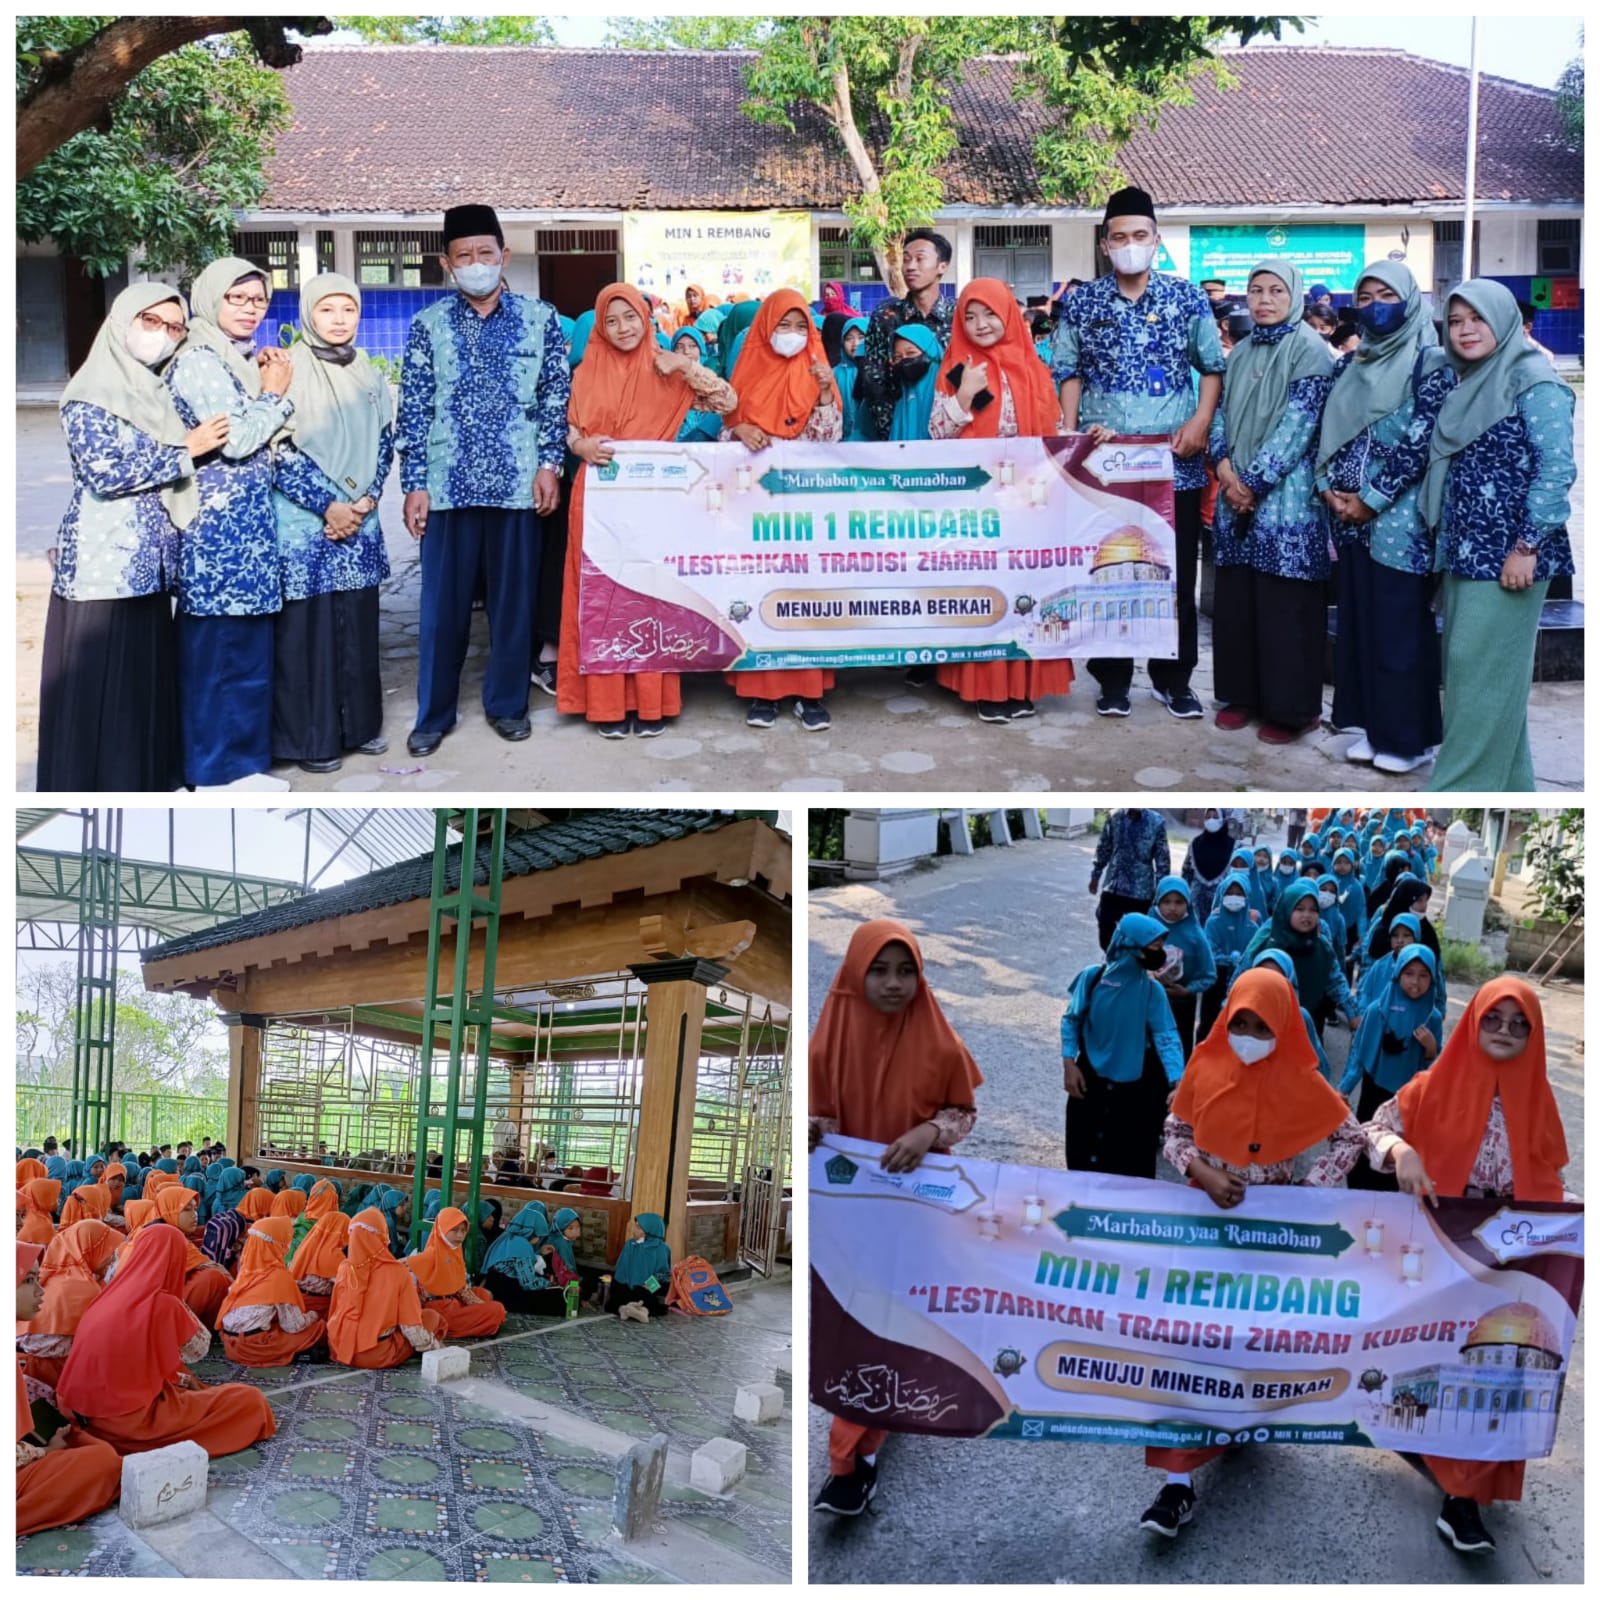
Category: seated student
[1284,963]
[264,1321]
[1480,1122]
[137,1214]
[115,1183]
[89,1202]
[29,1168]
[1120,1054]
[223,1237]
[36,1223]
[440,1272]
[1250,1102]
[275,1180]
[71,1274]
[643,1260]
[564,1233]
[206,1281]
[1188,970]
[317,1258]
[375,1320]
[396,1208]
[515,1266]
[64,1476]
[286,1202]
[1230,927]
[322,1200]
[77,1172]
[127,1376]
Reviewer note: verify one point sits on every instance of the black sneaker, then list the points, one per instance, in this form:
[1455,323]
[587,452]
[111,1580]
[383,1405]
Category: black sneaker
[1113,705]
[1181,702]
[1174,1506]
[993,711]
[613,730]
[332,764]
[1020,708]
[373,747]
[761,714]
[544,676]
[1461,1523]
[812,715]
[848,1497]
[921,677]
[646,727]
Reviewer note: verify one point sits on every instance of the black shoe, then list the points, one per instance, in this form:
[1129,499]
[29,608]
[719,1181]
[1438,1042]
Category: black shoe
[373,747]
[993,711]
[1112,705]
[921,677]
[647,727]
[761,713]
[423,744]
[1460,1522]
[613,730]
[544,676]
[1181,702]
[848,1497]
[511,728]
[812,715]
[331,765]
[1021,708]
[1173,1507]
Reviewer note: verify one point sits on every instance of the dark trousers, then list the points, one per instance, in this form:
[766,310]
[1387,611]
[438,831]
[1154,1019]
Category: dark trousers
[1213,1000]
[504,546]
[1116,1127]
[1267,644]
[1297,831]
[1111,909]
[552,566]
[327,691]
[1115,673]
[1386,656]
[622,1294]
[1361,1175]
[1184,1009]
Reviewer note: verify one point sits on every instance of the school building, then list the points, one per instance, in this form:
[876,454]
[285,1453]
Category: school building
[592,156]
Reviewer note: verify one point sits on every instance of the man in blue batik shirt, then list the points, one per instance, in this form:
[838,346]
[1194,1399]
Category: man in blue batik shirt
[1125,352]
[482,437]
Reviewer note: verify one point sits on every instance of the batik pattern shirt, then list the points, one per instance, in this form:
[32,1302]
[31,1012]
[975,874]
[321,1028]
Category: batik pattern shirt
[228,556]
[258,1319]
[1512,483]
[1385,465]
[878,387]
[948,418]
[1491,1176]
[312,562]
[1132,854]
[1346,1145]
[483,402]
[1121,350]
[1286,535]
[116,540]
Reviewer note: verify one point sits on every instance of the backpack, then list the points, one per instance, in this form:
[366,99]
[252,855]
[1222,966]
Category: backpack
[695,1289]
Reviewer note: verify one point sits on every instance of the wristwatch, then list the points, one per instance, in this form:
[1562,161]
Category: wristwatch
[1523,548]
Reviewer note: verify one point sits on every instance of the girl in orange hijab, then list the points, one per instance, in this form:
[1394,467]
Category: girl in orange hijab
[627,387]
[136,1214]
[441,1276]
[991,353]
[127,1375]
[29,1168]
[1251,1100]
[264,1322]
[786,391]
[88,1202]
[1482,1122]
[115,1180]
[39,1197]
[206,1281]
[72,1276]
[885,1066]
[288,1203]
[376,1320]
[68,1476]
[316,1262]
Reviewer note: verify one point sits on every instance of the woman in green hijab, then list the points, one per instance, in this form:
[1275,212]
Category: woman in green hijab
[1500,468]
[1371,458]
[332,458]
[1270,532]
[108,708]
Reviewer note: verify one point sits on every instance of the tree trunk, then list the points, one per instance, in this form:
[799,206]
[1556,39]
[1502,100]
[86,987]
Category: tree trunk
[841,113]
[77,88]
[887,256]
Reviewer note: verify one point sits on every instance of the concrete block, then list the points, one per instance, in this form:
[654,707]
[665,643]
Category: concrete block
[158,1485]
[758,1402]
[445,1366]
[638,1489]
[717,1465]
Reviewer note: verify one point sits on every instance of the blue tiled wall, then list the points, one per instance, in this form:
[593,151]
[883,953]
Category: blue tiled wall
[1560,332]
[385,316]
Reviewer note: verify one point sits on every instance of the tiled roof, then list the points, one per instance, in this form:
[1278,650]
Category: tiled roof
[413,129]
[584,836]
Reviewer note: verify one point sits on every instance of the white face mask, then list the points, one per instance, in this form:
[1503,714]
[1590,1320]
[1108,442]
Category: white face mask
[477,278]
[1233,902]
[788,343]
[1132,259]
[1324,899]
[1213,824]
[1251,1050]
[148,347]
[1286,870]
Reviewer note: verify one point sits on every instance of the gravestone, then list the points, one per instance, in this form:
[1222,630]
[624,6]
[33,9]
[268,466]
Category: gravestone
[638,1491]
[158,1485]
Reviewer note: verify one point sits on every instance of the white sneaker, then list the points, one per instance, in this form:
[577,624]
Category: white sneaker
[1385,762]
[1360,750]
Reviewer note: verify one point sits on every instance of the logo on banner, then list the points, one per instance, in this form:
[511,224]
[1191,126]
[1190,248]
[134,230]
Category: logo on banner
[1511,1234]
[841,1169]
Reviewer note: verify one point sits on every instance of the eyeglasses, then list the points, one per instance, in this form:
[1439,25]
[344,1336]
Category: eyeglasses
[245,302]
[151,323]
[1518,1027]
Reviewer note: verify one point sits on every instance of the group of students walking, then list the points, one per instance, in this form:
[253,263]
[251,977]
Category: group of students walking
[1245,1099]
[125,1273]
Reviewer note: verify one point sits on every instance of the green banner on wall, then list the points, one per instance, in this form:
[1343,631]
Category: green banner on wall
[1326,253]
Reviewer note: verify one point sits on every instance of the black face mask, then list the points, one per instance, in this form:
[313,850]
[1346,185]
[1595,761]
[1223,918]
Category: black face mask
[913,370]
[1153,960]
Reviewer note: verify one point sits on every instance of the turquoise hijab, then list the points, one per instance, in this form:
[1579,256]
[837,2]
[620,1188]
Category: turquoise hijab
[1117,1021]
[389,1201]
[1185,934]
[274,1179]
[1255,388]
[1383,1048]
[644,1259]
[562,1245]
[1230,930]
[582,327]
[1381,970]
[77,1173]
[229,1191]
[1372,866]
[1242,865]
[303,1182]
[516,1251]
[1312,954]
[914,408]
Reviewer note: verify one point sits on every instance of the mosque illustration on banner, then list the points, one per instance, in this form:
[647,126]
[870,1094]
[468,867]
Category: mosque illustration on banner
[1128,598]
[1508,1379]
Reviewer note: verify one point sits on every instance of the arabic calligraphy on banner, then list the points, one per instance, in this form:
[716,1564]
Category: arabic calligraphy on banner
[974,1299]
[704,557]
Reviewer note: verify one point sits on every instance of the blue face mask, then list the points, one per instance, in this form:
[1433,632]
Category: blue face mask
[1381,318]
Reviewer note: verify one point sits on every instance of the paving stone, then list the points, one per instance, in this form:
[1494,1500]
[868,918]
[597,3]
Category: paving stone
[445,1366]
[758,1402]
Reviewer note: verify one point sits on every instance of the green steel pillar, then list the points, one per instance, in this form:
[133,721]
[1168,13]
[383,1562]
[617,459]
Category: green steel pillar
[463,906]
[95,1018]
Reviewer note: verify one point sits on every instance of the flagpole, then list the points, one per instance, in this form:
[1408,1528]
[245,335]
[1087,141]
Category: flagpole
[1468,266]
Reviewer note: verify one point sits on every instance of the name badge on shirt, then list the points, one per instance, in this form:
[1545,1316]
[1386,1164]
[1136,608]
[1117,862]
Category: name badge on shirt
[1155,382]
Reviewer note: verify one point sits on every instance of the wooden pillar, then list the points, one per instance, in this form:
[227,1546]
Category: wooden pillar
[675,1012]
[244,1087]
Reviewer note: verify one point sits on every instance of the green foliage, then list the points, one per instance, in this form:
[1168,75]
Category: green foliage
[826,829]
[450,30]
[1466,963]
[1554,853]
[1569,96]
[186,151]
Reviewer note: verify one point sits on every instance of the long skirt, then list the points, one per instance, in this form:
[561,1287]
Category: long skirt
[1267,644]
[462,1321]
[1362,1174]
[546,1302]
[624,1294]
[204,1290]
[809,683]
[1482,1481]
[43,1369]
[848,1441]
[222,1420]
[601,696]
[274,1347]
[1489,640]
[396,1350]
[67,1485]
[1181,1460]
[225,697]
[1007,680]
[108,697]
[1116,1127]
[327,690]
[1386,655]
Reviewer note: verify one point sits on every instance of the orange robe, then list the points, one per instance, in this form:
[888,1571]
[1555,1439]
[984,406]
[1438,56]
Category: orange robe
[204,1290]
[396,1350]
[274,1347]
[221,1420]
[848,1441]
[1007,680]
[68,1484]
[462,1321]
